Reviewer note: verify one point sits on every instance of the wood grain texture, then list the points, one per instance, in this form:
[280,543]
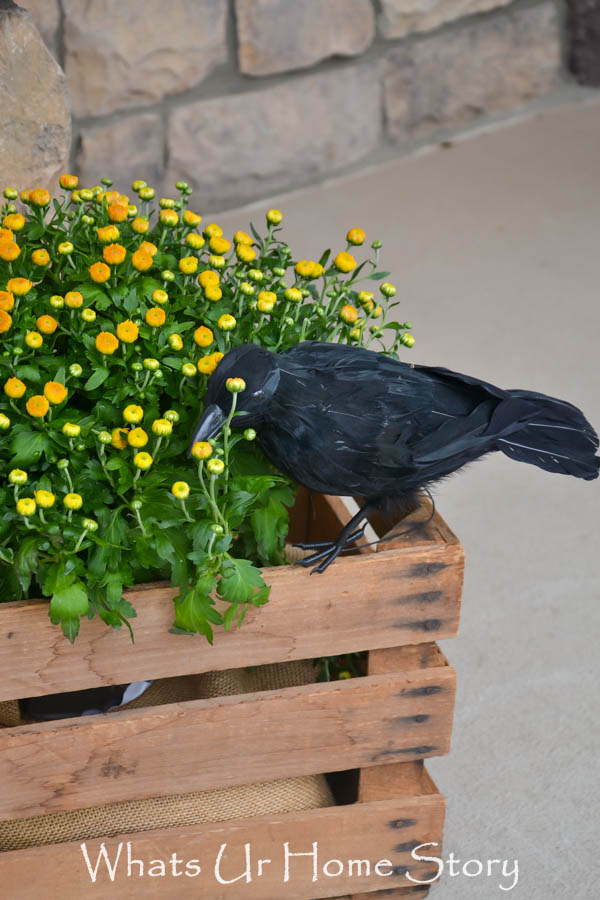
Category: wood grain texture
[404,595]
[362,831]
[204,744]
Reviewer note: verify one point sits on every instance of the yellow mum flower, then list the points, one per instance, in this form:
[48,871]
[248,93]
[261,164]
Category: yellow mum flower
[317,270]
[266,301]
[73,501]
[133,414]
[219,245]
[26,506]
[202,450]
[119,438]
[191,218]
[127,331]
[168,217]
[345,262]
[6,236]
[140,225]
[226,322]
[99,272]
[195,241]
[40,257]
[143,460]
[203,336]
[293,294]
[17,476]
[74,299]
[245,253]
[106,342]
[241,237]
[156,317]
[108,234]
[114,254]
[137,438]
[215,466]
[208,276]
[55,392]
[149,248]
[71,430]
[45,499]
[40,197]
[141,260]
[34,340]
[348,314]
[14,388]
[14,221]
[175,342]
[305,268]
[274,216]
[5,321]
[356,236]
[188,265]
[68,182]
[217,262]
[9,251]
[181,490]
[213,230]
[218,357]
[4,422]
[7,301]
[117,212]
[213,292]
[25,196]
[19,286]
[47,324]
[37,406]
[159,296]
[207,364]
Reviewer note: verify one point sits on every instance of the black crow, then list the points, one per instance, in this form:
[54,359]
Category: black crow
[340,419]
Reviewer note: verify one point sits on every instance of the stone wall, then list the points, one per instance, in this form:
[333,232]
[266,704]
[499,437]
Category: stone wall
[245,97]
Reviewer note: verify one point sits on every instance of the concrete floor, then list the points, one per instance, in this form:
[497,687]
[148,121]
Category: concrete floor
[494,244]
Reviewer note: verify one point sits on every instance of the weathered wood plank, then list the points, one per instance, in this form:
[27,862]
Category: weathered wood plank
[204,744]
[401,596]
[363,831]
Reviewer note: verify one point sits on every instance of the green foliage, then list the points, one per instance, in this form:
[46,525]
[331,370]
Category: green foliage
[106,348]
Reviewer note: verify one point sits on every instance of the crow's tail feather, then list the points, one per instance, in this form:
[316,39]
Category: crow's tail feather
[557,438]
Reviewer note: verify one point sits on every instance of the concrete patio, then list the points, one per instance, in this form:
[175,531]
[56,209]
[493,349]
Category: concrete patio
[494,246]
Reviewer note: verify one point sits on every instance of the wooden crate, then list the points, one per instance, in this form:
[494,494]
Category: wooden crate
[393,603]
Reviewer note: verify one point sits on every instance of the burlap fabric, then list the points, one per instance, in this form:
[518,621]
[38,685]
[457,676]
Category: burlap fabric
[274,797]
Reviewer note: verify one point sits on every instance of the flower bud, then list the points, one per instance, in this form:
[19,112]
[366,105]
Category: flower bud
[387,289]
[45,499]
[86,194]
[181,185]
[249,434]
[26,507]
[274,217]
[227,322]
[73,501]
[138,184]
[162,427]
[71,430]
[17,476]
[255,275]
[105,437]
[215,466]
[136,504]
[408,340]
[65,248]
[88,315]
[356,236]
[278,271]
[167,275]
[151,364]
[202,450]
[175,342]
[10,193]
[90,525]
[377,245]
[216,528]
[4,422]
[235,385]
[172,416]
[142,461]
[189,370]
[181,490]
[146,193]
[293,294]
[246,289]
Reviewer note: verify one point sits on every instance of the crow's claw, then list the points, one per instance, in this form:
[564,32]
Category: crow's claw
[327,551]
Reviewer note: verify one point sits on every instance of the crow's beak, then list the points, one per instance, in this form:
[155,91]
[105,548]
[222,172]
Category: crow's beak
[209,425]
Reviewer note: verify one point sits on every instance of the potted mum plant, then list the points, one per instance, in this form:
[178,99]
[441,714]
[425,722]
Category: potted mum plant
[113,315]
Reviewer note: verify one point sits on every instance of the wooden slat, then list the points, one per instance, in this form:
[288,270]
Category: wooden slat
[204,744]
[372,600]
[369,831]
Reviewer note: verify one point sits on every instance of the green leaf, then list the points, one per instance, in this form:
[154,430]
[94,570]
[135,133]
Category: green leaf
[239,580]
[28,373]
[195,612]
[28,446]
[377,276]
[98,378]
[270,520]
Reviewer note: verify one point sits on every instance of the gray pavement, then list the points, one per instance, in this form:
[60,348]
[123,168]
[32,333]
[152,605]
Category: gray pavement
[494,244]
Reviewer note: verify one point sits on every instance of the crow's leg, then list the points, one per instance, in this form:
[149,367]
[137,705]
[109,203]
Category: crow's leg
[330,550]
